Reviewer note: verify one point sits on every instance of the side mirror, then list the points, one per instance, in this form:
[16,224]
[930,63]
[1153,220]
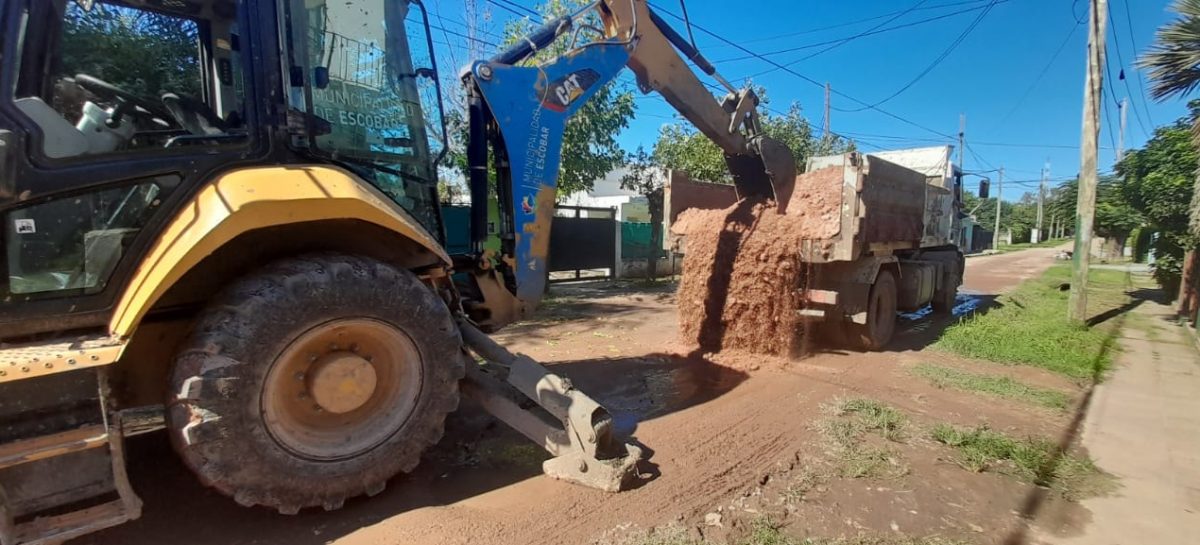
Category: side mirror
[321,77]
[984,185]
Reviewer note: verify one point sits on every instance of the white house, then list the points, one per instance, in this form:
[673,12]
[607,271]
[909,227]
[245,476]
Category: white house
[607,193]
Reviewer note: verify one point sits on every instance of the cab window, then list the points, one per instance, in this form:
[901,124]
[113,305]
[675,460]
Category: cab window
[72,245]
[136,75]
[369,72]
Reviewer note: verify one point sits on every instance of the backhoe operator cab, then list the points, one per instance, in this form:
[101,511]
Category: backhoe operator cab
[120,111]
[227,208]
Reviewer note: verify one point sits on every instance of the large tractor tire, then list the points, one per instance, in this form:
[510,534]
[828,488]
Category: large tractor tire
[881,315]
[314,380]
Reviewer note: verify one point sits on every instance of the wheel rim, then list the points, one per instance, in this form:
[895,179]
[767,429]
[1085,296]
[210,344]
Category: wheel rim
[341,389]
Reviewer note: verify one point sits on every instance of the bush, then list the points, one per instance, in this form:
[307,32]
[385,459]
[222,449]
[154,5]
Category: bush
[1141,238]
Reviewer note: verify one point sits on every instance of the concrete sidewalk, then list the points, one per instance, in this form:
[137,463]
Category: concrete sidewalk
[1143,426]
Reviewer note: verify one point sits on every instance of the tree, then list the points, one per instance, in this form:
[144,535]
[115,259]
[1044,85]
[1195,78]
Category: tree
[647,179]
[590,149]
[1173,62]
[681,147]
[1115,219]
[983,210]
[142,52]
[1159,183]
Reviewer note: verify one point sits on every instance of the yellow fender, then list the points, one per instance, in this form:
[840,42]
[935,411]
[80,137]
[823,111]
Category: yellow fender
[250,199]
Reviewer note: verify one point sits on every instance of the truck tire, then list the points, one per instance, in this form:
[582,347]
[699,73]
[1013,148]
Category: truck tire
[945,297]
[944,300]
[314,380]
[881,315]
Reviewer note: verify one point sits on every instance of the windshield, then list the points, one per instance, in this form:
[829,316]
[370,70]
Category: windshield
[370,78]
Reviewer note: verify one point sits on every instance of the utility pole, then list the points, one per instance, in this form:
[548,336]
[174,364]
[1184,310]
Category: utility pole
[962,132]
[999,200]
[1085,207]
[1041,202]
[1121,138]
[825,127]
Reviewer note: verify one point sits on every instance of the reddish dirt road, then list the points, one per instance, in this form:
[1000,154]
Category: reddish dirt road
[735,434]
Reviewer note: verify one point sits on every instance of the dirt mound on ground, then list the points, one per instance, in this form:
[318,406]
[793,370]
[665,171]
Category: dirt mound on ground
[743,272]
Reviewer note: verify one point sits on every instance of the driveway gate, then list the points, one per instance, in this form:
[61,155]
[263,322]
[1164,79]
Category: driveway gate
[583,239]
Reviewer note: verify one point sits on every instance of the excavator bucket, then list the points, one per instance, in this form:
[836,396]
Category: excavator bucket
[768,175]
[573,427]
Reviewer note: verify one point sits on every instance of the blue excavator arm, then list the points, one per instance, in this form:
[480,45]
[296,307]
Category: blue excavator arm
[518,113]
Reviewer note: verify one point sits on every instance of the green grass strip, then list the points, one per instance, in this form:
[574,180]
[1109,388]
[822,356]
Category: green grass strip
[1033,459]
[1007,388]
[1030,327]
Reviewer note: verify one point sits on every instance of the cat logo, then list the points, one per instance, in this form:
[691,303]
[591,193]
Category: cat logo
[566,90]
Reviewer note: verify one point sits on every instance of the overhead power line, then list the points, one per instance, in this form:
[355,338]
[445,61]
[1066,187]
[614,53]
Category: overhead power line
[976,156]
[849,39]
[973,142]
[830,44]
[515,8]
[512,6]
[869,32]
[1041,74]
[803,77]
[463,36]
[1141,81]
[1106,91]
[1108,115]
[938,60]
[1121,59]
[776,111]
[857,22]
[462,24]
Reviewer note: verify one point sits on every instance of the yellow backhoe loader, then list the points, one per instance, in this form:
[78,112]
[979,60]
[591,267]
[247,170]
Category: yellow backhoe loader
[220,218]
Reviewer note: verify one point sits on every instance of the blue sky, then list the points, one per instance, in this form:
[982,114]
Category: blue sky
[1014,118]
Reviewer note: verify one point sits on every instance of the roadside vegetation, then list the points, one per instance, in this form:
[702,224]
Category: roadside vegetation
[764,531]
[1034,460]
[998,386]
[1030,326]
[1050,243]
[855,454]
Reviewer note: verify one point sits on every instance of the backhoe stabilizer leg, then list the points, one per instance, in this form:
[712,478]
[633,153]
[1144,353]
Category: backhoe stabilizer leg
[567,423]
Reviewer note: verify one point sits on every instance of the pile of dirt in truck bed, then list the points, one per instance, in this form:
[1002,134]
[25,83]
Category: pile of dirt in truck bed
[743,271]
[816,203]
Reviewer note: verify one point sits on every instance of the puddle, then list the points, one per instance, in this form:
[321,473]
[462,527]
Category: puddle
[638,389]
[964,304]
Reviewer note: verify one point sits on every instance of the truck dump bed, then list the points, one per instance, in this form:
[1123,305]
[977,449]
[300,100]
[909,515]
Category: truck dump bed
[882,206]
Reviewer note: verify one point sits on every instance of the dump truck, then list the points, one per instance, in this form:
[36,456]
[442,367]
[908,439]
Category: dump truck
[220,219]
[876,234]
[895,245]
